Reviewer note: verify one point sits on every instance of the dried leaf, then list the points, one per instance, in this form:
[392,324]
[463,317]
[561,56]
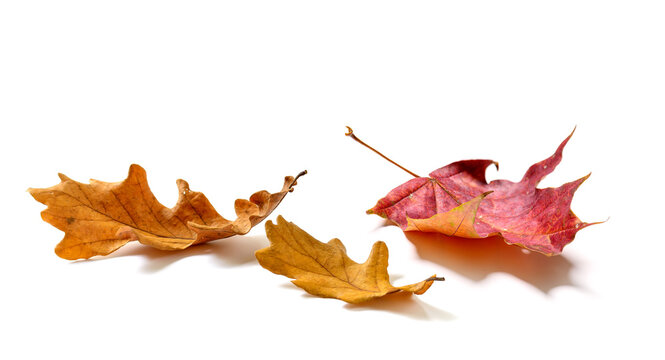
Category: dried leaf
[100,217]
[456,200]
[325,270]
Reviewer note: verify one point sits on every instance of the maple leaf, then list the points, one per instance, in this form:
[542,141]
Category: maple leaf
[100,217]
[456,200]
[324,269]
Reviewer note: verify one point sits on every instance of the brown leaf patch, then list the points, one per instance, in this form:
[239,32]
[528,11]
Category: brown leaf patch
[324,269]
[100,217]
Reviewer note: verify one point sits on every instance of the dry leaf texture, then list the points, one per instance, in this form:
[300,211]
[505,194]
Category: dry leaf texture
[324,269]
[100,217]
[457,200]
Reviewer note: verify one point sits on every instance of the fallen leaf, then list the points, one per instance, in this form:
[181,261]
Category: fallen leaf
[100,217]
[325,270]
[456,200]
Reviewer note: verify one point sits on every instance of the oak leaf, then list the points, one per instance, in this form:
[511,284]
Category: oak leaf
[456,200]
[100,217]
[324,269]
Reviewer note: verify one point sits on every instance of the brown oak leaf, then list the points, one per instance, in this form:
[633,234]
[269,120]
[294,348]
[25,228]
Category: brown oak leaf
[100,217]
[324,269]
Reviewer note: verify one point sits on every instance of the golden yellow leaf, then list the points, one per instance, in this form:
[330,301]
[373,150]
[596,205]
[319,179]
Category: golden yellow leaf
[100,217]
[458,221]
[325,270]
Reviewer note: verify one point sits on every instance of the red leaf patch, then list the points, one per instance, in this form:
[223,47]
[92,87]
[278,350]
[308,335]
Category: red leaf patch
[456,200]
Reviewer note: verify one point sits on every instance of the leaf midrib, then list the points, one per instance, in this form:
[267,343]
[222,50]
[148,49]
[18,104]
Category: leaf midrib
[119,221]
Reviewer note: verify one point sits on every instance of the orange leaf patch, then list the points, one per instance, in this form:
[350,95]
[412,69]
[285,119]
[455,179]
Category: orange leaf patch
[100,217]
[324,269]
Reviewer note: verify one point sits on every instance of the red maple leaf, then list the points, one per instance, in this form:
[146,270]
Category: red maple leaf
[456,200]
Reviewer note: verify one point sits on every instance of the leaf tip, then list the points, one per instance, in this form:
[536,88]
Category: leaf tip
[380,243]
[565,141]
[183,187]
[270,226]
[136,169]
[379,249]
[580,181]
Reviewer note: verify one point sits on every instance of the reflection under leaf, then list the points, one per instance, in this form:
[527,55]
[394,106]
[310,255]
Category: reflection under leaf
[477,258]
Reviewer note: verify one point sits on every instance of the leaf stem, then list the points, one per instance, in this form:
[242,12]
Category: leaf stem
[354,137]
[434,278]
[304,172]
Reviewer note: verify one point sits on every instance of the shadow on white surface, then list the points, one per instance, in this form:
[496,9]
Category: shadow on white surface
[404,304]
[233,251]
[478,258]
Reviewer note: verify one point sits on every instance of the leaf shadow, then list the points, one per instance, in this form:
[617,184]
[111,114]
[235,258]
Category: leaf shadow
[405,304]
[229,252]
[478,258]
[401,303]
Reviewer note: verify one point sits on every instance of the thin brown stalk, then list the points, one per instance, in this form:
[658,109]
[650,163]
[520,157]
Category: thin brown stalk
[354,137]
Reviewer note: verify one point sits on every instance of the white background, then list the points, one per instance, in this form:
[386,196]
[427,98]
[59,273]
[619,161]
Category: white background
[232,96]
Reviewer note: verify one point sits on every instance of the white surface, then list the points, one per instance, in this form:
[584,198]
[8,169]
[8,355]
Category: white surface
[232,96]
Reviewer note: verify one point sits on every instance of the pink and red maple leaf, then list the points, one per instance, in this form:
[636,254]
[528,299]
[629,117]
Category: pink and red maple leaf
[457,200]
